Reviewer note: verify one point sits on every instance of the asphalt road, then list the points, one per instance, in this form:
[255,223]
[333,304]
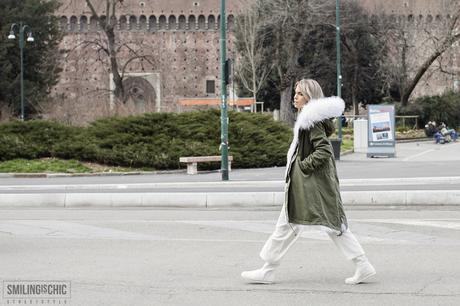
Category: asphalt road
[139,257]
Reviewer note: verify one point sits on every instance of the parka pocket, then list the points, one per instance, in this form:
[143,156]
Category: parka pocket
[301,166]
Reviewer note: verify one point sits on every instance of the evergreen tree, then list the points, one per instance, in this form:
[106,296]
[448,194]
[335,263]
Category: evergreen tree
[41,57]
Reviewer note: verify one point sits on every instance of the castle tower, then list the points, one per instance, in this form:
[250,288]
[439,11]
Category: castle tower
[167,50]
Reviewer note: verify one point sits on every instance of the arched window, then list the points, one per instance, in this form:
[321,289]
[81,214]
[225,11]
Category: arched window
[132,23]
[152,23]
[83,24]
[93,23]
[172,23]
[429,19]
[73,24]
[211,22]
[162,22]
[63,23]
[142,23]
[123,23]
[230,22]
[438,18]
[182,22]
[201,22]
[410,18]
[192,23]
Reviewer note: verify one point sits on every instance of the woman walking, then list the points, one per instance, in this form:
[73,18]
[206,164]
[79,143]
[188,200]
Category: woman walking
[312,196]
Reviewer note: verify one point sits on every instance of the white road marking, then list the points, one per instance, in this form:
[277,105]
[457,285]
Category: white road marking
[308,233]
[419,154]
[65,229]
[72,230]
[448,224]
[438,148]
[367,233]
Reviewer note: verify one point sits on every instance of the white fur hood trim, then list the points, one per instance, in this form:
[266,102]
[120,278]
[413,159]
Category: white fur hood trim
[313,112]
[318,110]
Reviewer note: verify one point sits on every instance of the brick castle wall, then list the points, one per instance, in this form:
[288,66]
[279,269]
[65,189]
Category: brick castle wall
[181,42]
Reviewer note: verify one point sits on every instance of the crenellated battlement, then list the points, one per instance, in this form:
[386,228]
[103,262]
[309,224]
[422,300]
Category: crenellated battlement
[151,7]
[151,23]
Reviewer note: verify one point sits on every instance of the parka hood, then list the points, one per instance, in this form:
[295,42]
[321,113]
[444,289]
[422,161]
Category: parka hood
[318,110]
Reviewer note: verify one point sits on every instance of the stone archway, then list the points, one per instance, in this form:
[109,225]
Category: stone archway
[140,94]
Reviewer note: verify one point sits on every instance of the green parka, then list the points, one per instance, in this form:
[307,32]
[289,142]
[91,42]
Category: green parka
[312,186]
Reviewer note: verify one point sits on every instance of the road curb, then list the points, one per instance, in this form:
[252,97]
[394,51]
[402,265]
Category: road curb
[222,199]
[53,175]
[178,186]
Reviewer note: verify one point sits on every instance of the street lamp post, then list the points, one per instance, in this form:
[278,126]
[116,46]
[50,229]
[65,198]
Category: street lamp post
[223,89]
[339,70]
[22,29]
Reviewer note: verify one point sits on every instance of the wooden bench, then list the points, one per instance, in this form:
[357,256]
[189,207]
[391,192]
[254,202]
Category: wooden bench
[192,162]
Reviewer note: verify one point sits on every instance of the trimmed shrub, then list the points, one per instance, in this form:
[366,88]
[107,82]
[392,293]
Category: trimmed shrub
[154,140]
[32,139]
[257,141]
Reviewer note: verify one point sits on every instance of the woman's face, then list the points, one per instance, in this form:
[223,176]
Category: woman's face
[299,99]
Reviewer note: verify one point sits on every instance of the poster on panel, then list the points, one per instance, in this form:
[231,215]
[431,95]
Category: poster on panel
[381,131]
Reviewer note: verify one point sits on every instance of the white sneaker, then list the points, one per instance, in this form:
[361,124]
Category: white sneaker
[364,270]
[264,275]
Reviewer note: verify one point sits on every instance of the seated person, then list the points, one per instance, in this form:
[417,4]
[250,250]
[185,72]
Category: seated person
[450,134]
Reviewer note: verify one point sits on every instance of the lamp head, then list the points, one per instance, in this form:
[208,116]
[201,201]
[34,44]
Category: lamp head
[11,36]
[30,37]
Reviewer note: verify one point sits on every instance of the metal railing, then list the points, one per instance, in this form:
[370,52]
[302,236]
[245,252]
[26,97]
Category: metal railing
[398,119]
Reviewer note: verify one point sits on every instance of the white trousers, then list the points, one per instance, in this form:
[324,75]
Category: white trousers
[286,234]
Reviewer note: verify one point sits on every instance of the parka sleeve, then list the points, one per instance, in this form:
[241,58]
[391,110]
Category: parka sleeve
[321,152]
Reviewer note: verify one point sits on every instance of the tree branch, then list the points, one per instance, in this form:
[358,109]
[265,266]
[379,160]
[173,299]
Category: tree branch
[93,10]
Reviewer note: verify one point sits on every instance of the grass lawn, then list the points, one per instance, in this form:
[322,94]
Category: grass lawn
[43,165]
[347,143]
[53,165]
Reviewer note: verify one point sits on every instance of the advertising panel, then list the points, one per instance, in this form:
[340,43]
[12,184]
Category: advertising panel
[381,131]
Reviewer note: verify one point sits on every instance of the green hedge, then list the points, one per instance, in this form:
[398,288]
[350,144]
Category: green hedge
[155,140]
[444,108]
[32,139]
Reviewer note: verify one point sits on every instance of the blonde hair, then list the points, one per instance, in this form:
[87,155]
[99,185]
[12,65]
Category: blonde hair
[310,88]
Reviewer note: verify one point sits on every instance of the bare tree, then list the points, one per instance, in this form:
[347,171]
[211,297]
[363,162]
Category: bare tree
[111,46]
[288,22]
[250,37]
[108,24]
[451,36]
[300,39]
[364,49]
[438,40]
